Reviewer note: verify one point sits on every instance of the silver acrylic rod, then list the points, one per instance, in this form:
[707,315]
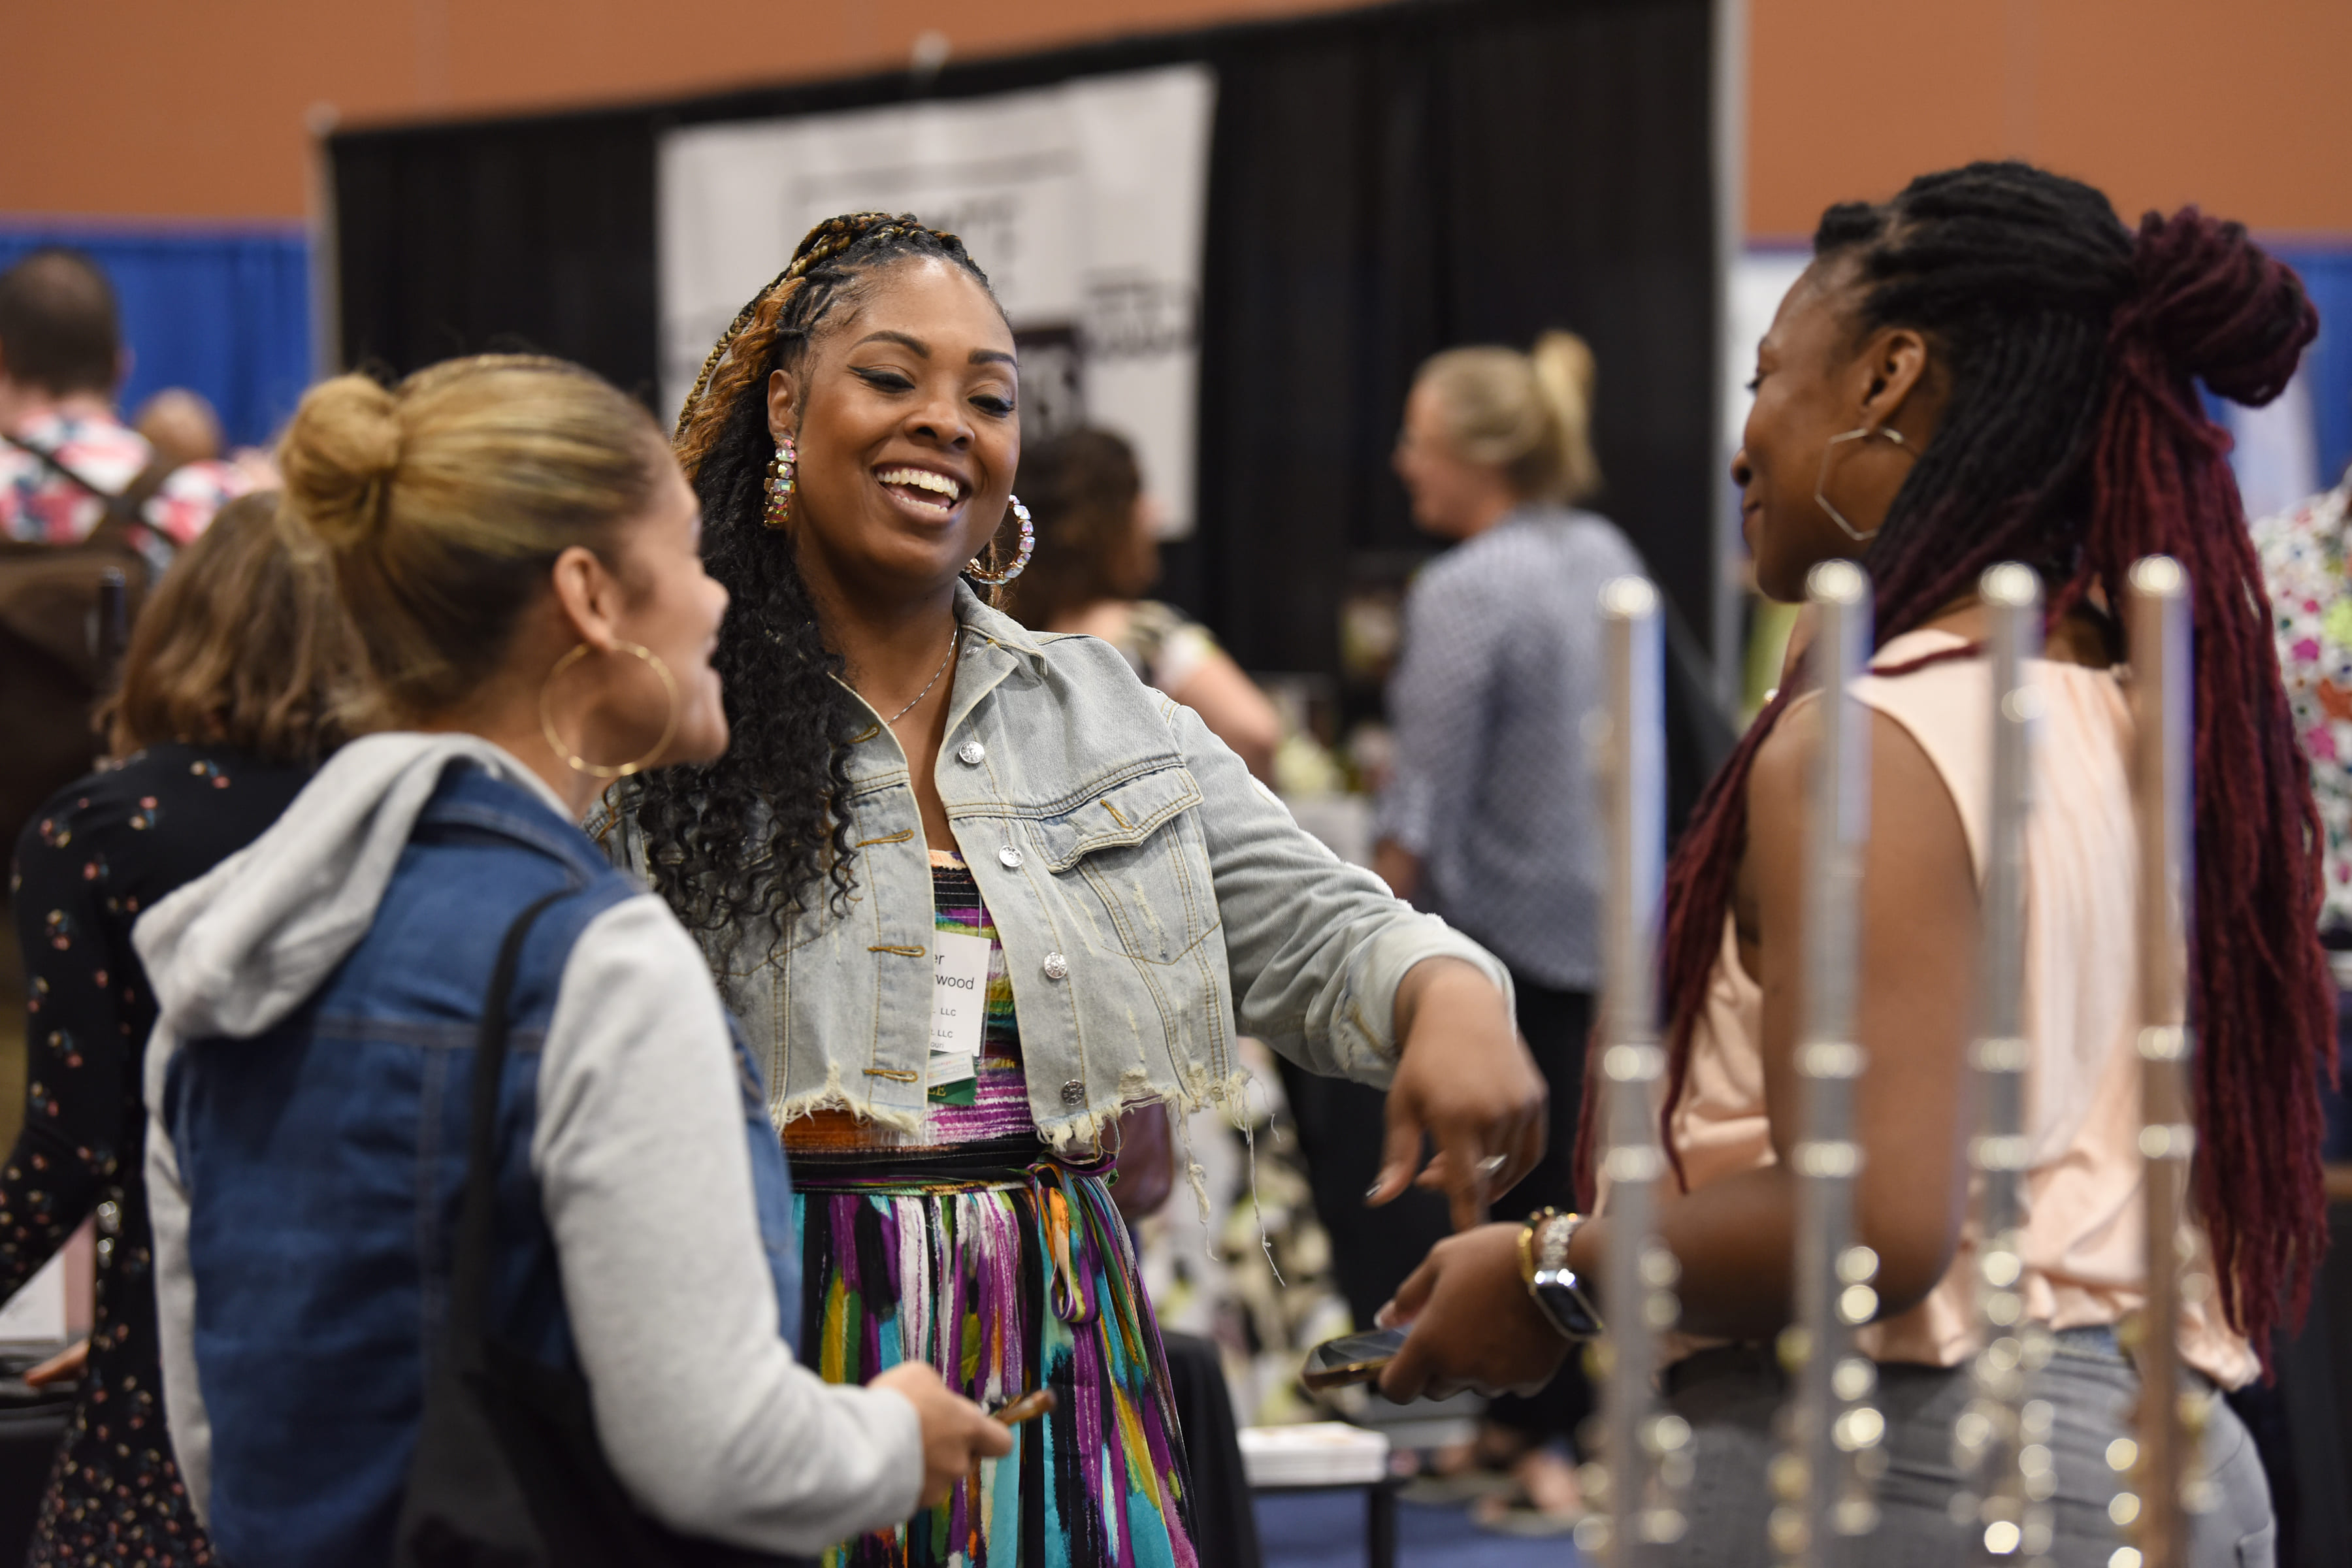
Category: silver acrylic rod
[1831,1430]
[2163,1474]
[1646,1451]
[2000,1442]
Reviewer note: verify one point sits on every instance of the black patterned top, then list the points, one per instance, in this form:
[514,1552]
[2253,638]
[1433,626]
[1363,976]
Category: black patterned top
[94,856]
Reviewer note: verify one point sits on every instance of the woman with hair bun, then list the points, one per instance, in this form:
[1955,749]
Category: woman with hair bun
[1490,819]
[978,890]
[517,551]
[1989,367]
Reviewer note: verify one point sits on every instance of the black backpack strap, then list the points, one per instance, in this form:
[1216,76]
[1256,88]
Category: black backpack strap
[469,1274]
[124,508]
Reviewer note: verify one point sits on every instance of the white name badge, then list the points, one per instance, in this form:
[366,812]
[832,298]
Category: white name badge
[959,994]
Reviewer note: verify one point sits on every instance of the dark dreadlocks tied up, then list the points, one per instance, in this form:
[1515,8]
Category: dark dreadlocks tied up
[2074,441]
[750,838]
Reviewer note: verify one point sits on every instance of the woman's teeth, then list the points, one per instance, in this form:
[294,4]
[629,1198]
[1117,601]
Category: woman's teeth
[923,487]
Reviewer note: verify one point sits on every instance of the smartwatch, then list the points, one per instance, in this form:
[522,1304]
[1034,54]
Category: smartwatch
[1554,1286]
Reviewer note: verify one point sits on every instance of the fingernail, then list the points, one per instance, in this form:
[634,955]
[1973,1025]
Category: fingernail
[1373,1190]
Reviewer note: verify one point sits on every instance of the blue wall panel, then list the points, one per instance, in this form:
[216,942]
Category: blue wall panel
[2327,275]
[224,311]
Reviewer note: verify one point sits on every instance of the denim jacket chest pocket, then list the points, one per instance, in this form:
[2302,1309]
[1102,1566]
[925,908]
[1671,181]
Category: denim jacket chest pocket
[1131,860]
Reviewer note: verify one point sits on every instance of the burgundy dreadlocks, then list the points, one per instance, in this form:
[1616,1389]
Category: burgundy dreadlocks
[2074,440]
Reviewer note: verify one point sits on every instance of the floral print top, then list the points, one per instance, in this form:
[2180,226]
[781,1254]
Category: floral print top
[95,855]
[40,505]
[2304,566]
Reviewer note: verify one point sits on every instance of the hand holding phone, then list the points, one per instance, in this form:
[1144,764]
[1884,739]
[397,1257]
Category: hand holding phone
[1027,1408]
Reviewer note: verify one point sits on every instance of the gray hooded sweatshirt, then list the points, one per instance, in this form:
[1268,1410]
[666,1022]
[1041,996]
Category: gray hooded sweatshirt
[638,1149]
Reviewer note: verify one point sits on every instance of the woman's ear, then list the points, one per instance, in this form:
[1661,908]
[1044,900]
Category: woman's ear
[1897,362]
[783,402]
[588,596]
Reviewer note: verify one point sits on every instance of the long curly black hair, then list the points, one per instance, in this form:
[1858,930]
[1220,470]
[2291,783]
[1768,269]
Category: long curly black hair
[753,836]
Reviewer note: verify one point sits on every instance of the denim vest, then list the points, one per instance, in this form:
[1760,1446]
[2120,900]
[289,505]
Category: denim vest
[324,1160]
[1153,901]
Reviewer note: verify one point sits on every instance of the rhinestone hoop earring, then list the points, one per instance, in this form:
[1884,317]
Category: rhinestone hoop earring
[1822,479]
[1020,559]
[780,485]
[581,764]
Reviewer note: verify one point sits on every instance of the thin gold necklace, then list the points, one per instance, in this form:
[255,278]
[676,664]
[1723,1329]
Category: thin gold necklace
[954,638]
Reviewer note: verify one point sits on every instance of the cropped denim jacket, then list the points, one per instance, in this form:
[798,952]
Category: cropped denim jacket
[1153,900]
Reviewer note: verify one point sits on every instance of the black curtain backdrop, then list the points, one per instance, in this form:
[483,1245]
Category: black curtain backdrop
[1384,184]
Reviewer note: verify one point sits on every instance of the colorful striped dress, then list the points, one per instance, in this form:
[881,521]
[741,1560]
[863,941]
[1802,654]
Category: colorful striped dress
[1006,1270]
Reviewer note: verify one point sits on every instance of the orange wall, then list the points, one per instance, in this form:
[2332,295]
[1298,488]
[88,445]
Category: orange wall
[2242,106]
[197,110]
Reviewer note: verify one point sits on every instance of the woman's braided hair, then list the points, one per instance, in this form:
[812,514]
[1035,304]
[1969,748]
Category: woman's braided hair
[751,836]
[2074,440]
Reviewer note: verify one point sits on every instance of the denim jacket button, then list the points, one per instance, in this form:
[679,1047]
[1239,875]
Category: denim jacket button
[1056,967]
[972,754]
[1073,1093]
[1010,857]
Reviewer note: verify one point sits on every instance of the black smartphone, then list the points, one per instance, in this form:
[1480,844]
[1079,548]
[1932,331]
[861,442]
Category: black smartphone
[1351,1358]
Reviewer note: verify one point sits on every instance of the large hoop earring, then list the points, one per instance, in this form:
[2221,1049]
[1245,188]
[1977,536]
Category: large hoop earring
[781,480]
[1020,560]
[1822,479]
[581,764]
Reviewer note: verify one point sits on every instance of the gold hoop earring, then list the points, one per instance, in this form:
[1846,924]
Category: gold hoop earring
[581,764]
[1822,479]
[980,573]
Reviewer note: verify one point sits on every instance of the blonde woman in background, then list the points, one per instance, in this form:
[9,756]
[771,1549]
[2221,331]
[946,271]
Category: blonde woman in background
[1491,817]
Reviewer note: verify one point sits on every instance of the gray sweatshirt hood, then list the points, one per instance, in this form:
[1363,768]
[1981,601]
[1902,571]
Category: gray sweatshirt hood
[239,949]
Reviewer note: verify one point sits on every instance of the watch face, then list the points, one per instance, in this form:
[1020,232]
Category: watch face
[1562,1297]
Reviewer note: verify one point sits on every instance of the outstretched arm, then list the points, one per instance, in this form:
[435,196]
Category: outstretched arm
[1332,970]
[1735,1237]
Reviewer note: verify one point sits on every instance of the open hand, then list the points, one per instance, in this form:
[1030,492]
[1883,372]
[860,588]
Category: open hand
[1464,1080]
[1474,1324]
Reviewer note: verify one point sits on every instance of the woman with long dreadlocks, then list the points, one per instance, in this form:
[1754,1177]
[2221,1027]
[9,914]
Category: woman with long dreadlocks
[1989,367]
[974,890]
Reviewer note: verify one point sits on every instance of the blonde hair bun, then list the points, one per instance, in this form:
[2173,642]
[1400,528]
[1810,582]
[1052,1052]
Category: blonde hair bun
[1530,415]
[339,457]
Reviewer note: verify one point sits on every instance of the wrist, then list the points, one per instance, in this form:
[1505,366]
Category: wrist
[1450,981]
[1555,1286]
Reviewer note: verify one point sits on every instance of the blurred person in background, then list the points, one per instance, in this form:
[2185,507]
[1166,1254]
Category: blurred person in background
[238,681]
[1492,816]
[921,787]
[516,552]
[2306,559]
[1097,555]
[181,425]
[65,458]
[1988,368]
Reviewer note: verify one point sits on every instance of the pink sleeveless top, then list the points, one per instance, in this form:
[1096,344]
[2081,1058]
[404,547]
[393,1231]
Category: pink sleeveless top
[2085,1260]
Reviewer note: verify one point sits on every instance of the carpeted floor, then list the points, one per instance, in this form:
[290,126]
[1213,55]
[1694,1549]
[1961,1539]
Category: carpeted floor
[1326,1530]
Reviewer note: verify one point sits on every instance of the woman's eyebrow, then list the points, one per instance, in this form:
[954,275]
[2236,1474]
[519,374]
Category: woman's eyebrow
[994,356]
[914,344]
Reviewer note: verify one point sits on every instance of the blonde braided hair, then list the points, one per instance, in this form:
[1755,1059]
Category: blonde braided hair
[737,359]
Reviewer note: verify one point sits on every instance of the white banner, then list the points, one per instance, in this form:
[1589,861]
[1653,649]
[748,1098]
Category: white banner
[1083,203]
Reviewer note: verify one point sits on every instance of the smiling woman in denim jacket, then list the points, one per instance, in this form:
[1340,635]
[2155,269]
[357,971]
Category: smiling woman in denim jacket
[925,798]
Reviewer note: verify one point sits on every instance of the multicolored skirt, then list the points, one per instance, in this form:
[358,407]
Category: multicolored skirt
[1005,1277]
